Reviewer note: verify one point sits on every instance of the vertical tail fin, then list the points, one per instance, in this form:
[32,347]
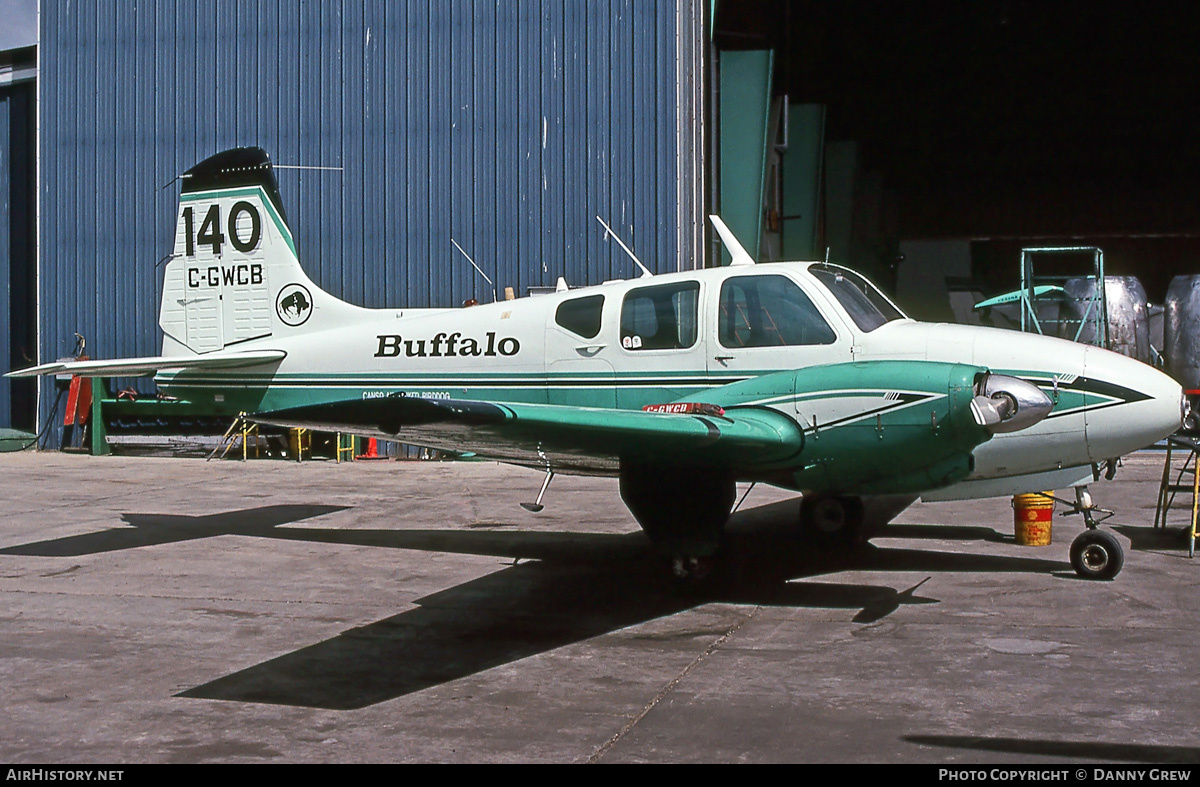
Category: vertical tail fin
[234,275]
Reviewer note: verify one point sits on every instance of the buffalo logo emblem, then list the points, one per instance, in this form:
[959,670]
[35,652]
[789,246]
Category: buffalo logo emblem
[294,305]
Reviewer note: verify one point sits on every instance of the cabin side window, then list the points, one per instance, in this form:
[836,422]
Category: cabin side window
[660,318]
[581,316]
[769,311]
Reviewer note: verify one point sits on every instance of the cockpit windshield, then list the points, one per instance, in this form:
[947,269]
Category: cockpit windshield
[866,305]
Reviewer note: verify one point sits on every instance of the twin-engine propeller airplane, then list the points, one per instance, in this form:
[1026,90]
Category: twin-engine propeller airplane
[801,375]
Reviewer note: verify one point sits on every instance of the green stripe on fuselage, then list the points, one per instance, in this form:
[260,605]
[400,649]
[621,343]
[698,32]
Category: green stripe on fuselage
[261,392]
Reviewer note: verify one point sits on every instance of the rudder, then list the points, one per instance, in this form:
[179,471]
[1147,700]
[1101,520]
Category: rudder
[234,275]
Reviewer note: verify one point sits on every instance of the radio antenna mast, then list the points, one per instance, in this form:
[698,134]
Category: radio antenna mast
[476,267]
[609,231]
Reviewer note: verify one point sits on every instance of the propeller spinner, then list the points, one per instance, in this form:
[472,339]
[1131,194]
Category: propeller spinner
[1008,404]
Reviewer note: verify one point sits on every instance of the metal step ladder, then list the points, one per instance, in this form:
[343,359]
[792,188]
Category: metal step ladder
[1173,482]
[243,428]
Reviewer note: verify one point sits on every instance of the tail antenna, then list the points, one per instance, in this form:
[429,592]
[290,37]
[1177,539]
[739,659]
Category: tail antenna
[609,231]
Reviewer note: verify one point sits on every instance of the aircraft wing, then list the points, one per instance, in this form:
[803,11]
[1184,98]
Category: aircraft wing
[140,367]
[573,439]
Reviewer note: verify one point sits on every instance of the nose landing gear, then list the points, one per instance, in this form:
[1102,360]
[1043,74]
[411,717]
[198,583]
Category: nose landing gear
[1095,553]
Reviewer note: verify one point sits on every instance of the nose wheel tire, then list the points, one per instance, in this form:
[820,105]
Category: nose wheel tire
[1096,554]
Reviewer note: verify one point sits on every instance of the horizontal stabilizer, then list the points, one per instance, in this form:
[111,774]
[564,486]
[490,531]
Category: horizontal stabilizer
[139,367]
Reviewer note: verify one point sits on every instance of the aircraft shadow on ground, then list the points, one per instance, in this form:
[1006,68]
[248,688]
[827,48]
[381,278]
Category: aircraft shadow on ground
[946,533]
[1156,539]
[156,529]
[1094,750]
[566,588]
[561,588]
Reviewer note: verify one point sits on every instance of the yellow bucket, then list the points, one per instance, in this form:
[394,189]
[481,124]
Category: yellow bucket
[1033,515]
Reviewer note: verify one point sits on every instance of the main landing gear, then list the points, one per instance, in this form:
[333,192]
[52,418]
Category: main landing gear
[683,511]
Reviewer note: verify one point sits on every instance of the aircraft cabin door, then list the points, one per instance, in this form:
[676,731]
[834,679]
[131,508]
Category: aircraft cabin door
[578,351]
[765,322]
[662,344]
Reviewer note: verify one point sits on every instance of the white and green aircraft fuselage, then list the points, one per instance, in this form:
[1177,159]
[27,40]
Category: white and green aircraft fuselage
[797,374]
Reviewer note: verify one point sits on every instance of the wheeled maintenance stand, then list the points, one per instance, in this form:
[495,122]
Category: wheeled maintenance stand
[1174,481]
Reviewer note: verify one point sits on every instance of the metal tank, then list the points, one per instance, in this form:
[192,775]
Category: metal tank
[1079,317]
[1181,331]
[1128,318]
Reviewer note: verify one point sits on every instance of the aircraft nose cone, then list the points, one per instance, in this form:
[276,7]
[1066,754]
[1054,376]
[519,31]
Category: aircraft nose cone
[1133,405]
[1008,404]
[1170,407]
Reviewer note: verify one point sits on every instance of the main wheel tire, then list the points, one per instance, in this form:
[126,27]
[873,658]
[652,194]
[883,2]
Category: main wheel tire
[831,520]
[1096,554]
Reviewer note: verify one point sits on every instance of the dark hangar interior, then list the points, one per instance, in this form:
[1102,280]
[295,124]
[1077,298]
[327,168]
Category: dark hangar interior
[1004,123]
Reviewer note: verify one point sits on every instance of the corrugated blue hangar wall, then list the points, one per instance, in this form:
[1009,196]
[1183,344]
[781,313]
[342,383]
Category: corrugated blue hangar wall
[505,125]
[17,248]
